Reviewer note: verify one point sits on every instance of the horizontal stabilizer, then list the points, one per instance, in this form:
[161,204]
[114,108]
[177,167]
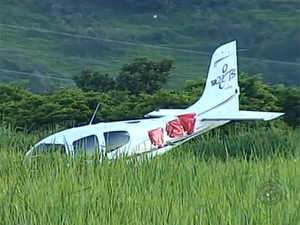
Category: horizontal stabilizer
[244,115]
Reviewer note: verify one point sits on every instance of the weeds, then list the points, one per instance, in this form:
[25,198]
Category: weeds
[198,183]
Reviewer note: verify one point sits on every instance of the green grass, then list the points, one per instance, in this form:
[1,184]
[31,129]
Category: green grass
[214,179]
[61,56]
[63,65]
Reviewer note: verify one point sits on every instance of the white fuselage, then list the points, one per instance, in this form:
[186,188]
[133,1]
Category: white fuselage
[139,142]
[218,105]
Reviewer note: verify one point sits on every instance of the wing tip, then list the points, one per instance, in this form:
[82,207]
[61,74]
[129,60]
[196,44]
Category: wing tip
[274,116]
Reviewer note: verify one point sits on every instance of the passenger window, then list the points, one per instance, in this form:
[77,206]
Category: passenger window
[89,145]
[115,139]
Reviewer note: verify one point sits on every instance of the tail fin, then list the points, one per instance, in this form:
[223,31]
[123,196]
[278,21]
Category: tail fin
[221,91]
[222,80]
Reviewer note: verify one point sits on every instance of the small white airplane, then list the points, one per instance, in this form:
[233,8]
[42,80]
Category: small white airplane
[164,129]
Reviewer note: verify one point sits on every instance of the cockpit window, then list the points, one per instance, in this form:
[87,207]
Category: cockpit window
[49,148]
[88,145]
[115,139]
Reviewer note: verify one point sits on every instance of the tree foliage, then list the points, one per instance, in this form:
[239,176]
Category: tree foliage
[75,106]
[141,76]
[88,80]
[144,75]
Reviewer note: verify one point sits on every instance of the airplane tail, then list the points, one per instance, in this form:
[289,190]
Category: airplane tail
[221,93]
[222,81]
[222,90]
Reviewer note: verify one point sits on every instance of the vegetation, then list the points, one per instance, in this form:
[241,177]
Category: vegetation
[211,180]
[142,76]
[121,99]
[59,38]
[214,179]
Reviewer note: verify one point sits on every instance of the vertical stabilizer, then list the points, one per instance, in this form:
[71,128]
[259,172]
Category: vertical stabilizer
[222,80]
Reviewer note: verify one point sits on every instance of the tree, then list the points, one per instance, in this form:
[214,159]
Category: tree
[256,95]
[144,76]
[94,81]
[22,108]
[289,100]
[13,92]
[195,86]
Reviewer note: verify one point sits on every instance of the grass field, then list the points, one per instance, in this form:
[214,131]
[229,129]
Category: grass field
[215,179]
[54,40]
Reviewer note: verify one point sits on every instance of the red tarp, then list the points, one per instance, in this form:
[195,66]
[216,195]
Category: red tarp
[188,121]
[174,129]
[157,137]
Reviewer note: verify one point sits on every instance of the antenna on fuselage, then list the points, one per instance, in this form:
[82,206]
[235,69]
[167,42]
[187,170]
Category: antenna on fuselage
[92,119]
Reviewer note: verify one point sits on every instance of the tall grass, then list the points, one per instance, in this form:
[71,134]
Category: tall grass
[202,182]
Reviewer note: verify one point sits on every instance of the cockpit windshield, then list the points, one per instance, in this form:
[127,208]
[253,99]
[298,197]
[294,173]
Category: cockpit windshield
[49,148]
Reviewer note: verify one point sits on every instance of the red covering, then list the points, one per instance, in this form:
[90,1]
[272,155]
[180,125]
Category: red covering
[174,129]
[157,136]
[188,121]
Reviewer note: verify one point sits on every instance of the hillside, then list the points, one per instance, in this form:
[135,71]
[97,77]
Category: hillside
[56,39]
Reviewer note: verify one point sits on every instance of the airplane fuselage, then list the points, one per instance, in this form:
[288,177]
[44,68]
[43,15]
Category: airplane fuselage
[129,138]
[218,105]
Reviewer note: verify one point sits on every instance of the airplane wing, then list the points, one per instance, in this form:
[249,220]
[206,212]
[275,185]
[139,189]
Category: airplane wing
[163,112]
[244,115]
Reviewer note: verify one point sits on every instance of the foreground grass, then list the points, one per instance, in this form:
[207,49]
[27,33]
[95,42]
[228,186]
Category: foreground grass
[177,188]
